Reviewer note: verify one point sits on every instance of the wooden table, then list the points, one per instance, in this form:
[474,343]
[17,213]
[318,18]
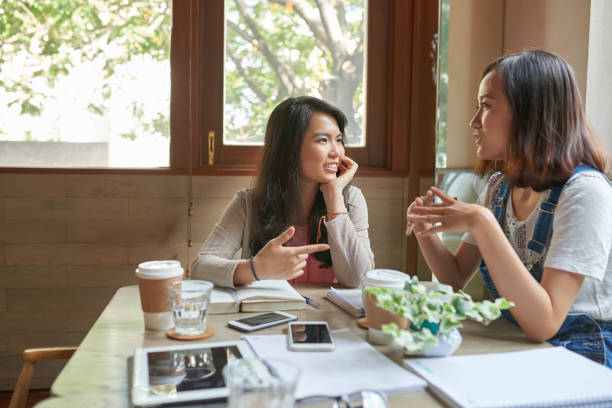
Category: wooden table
[97,374]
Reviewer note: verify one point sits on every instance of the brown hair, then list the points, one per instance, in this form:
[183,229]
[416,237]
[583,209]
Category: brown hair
[550,135]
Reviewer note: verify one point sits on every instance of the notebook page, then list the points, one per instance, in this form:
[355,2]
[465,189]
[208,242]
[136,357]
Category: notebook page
[541,377]
[268,289]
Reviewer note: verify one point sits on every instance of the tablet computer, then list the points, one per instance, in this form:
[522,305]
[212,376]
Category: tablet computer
[178,373]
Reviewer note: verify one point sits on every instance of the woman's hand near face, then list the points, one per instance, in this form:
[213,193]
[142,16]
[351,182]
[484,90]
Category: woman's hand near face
[450,216]
[274,261]
[332,191]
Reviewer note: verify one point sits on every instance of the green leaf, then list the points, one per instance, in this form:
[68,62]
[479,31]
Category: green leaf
[439,308]
[97,109]
[29,109]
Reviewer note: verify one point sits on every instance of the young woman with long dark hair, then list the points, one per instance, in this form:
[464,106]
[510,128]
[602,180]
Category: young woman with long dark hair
[302,221]
[542,229]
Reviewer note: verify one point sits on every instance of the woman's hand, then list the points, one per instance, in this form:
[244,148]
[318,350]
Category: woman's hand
[423,201]
[347,169]
[274,261]
[332,191]
[451,215]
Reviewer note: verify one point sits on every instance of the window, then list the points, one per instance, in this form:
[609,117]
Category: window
[75,83]
[394,70]
[274,50]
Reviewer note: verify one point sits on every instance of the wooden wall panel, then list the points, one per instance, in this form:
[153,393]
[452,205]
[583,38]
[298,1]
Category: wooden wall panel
[125,186]
[66,208]
[65,254]
[72,240]
[31,185]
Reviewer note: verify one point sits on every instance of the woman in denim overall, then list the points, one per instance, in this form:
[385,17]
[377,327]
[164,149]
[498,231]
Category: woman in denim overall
[531,134]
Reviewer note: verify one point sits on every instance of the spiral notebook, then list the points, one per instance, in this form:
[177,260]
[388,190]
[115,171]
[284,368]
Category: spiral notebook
[349,300]
[544,377]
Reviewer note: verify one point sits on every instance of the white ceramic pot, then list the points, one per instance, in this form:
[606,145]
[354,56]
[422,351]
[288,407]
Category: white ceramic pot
[447,345]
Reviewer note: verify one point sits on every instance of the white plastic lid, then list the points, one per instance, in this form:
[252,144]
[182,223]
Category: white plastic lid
[159,269]
[385,278]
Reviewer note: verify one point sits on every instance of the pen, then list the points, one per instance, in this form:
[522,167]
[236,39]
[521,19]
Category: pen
[312,302]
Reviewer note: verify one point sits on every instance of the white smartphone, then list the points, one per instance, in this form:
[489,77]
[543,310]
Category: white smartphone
[310,336]
[261,321]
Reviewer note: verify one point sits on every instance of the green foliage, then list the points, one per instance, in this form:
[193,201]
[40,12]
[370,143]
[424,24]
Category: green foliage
[442,132]
[432,313]
[57,35]
[273,53]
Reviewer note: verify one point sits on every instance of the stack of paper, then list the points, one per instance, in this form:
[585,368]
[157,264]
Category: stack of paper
[350,300]
[545,377]
[353,366]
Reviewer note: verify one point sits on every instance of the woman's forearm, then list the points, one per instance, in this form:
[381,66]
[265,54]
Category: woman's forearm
[533,309]
[441,261]
[243,274]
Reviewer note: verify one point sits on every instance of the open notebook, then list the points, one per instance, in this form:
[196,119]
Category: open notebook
[260,296]
[544,377]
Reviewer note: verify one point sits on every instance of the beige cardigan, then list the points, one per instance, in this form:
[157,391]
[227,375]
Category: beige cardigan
[347,236]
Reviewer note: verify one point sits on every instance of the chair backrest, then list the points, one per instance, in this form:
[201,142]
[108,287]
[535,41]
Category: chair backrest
[30,356]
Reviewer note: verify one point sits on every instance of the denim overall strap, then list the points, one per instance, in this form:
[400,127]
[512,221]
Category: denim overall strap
[543,228]
[500,200]
[498,206]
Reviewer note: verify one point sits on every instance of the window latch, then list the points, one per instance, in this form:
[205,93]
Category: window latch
[211,147]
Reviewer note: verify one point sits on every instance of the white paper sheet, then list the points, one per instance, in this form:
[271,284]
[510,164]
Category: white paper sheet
[353,366]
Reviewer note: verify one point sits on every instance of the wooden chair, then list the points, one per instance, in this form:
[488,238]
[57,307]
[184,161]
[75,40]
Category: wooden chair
[30,356]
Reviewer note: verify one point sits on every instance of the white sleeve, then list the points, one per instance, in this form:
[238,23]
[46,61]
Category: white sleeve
[582,227]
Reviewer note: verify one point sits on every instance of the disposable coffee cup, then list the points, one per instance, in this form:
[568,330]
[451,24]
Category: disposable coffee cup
[153,277]
[376,316]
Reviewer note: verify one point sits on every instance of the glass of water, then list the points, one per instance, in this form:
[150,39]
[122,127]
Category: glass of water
[255,383]
[189,302]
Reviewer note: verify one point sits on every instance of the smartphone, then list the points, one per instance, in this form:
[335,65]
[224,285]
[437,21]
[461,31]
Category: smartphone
[310,336]
[261,321]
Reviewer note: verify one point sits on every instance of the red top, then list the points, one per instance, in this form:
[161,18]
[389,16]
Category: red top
[313,272]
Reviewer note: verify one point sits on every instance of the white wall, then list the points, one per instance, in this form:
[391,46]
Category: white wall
[475,38]
[482,30]
[599,80]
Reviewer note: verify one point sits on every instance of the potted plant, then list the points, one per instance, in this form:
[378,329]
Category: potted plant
[435,313]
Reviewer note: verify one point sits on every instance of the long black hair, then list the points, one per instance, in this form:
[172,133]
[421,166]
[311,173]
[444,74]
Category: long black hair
[277,193]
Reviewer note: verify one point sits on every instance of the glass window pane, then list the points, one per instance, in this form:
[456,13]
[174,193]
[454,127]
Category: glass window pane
[442,83]
[277,49]
[85,83]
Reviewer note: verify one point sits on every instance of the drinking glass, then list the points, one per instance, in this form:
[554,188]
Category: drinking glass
[256,383]
[189,303]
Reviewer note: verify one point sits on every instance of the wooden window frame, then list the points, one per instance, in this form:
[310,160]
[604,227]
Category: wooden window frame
[398,72]
[401,95]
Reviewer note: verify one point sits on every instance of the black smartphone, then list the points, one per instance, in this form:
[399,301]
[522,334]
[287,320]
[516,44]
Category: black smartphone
[310,336]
